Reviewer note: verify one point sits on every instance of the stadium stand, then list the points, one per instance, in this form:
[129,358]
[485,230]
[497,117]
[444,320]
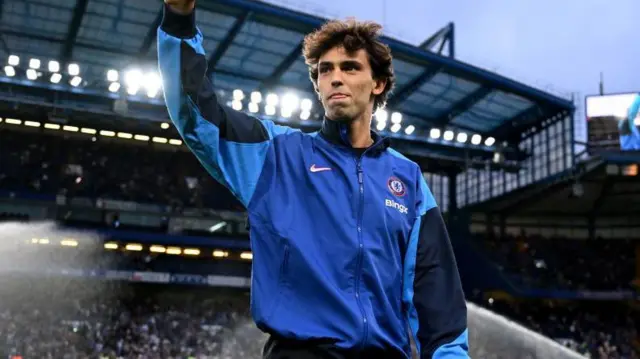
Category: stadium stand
[150,257]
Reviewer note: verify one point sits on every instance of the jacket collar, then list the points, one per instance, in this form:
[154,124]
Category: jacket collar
[338,134]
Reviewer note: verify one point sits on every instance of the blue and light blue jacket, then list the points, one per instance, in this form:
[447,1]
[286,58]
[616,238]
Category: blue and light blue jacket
[349,249]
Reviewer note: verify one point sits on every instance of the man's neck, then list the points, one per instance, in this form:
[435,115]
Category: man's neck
[360,132]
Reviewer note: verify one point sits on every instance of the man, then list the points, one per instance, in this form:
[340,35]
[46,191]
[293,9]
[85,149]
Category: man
[628,128]
[350,252]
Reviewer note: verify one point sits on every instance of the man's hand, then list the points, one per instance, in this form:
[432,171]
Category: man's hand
[182,7]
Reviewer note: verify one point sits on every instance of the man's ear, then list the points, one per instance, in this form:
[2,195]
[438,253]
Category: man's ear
[379,86]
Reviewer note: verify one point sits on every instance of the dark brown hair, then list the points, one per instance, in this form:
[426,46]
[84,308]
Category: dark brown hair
[353,36]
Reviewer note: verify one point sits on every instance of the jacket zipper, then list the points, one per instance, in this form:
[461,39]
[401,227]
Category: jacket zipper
[360,250]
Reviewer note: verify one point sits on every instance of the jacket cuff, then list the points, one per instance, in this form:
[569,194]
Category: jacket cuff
[178,25]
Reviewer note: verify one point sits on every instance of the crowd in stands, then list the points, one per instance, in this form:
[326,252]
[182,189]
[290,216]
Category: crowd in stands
[77,319]
[540,262]
[79,166]
[595,329]
[110,320]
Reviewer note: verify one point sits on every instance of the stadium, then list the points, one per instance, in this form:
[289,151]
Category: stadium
[116,243]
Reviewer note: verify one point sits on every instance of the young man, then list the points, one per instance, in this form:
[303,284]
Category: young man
[350,252]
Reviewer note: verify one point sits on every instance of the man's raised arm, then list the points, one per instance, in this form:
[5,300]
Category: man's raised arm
[231,145]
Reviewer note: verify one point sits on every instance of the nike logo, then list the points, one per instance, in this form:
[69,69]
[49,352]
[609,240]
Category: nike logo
[319,169]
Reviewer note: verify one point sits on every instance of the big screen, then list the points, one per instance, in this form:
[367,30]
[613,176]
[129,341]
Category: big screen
[613,121]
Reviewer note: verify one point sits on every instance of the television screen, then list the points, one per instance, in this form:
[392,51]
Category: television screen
[613,121]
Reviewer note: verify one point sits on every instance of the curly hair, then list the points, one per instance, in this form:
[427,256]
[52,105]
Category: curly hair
[353,36]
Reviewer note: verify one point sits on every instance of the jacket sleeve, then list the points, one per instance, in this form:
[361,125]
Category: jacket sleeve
[231,145]
[433,295]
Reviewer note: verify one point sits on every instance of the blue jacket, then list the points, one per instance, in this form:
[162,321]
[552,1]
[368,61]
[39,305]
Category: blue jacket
[348,249]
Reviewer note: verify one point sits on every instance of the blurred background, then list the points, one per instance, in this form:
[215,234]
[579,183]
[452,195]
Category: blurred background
[116,243]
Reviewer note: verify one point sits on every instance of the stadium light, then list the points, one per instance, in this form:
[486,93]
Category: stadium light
[55,78]
[191,251]
[476,139]
[111,246]
[14,60]
[410,129]
[176,251]
[238,95]
[153,84]
[157,249]
[76,81]
[246,255]
[220,254]
[306,104]
[9,71]
[396,127]
[448,135]
[434,133]
[253,107]
[272,99]
[132,80]
[112,75]
[164,125]
[133,247]
[256,97]
[381,115]
[270,110]
[32,124]
[304,115]
[290,102]
[236,105]
[74,69]
[159,140]
[34,64]
[114,87]
[396,117]
[489,141]
[381,125]
[32,74]
[54,66]
[285,112]
[462,137]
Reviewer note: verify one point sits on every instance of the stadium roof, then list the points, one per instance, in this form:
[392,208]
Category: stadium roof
[256,46]
[604,185]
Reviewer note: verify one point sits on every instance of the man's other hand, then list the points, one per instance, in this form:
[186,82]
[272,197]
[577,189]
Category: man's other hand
[183,7]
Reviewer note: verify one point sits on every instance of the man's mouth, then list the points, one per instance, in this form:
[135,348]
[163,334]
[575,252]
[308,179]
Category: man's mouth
[337,96]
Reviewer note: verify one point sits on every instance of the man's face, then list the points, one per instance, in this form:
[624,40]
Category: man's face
[346,84]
